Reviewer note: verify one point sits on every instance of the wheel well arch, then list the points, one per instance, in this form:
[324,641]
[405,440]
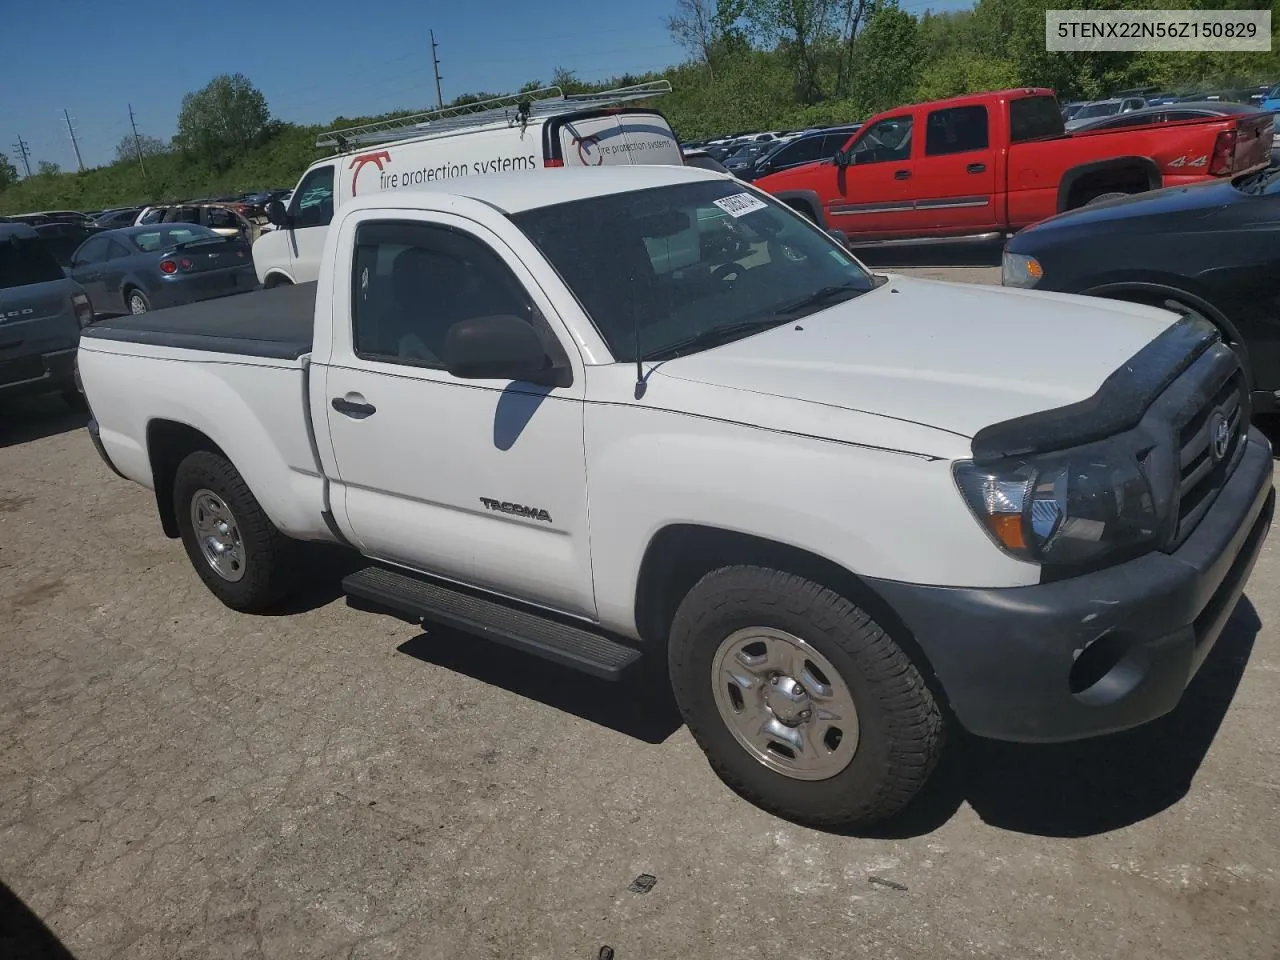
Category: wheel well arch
[1151,290]
[679,555]
[805,202]
[1148,291]
[276,279]
[169,442]
[1114,172]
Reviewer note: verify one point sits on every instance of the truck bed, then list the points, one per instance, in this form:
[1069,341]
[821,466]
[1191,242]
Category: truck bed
[277,324]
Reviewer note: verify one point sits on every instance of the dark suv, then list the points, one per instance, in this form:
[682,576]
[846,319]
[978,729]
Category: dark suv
[42,311]
[807,148]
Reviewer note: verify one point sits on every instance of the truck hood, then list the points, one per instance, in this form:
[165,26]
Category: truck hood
[1187,203]
[955,357]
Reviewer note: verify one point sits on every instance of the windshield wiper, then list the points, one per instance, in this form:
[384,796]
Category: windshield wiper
[819,296]
[714,337]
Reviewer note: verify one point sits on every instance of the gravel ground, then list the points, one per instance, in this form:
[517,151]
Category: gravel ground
[177,780]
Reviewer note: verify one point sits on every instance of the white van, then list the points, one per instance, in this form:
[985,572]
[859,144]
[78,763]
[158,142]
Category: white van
[529,131]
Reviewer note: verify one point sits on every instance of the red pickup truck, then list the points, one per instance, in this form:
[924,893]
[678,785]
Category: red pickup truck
[984,165]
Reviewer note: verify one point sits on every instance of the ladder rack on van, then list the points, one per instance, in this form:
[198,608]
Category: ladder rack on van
[514,108]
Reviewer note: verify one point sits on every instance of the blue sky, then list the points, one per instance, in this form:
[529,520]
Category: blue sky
[313,59]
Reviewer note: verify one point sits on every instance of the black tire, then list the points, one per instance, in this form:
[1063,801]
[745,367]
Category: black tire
[135,296]
[901,728]
[1103,197]
[270,569]
[802,208]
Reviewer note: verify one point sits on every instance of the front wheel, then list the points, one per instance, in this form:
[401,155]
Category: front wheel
[237,551]
[801,702]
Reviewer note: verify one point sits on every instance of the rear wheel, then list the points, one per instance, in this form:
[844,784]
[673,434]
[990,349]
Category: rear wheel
[1104,197]
[802,703]
[138,302]
[237,551]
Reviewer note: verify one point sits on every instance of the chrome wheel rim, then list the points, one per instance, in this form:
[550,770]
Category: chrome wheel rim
[218,535]
[785,703]
[137,304]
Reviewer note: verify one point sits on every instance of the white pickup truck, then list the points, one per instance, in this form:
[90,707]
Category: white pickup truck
[650,414]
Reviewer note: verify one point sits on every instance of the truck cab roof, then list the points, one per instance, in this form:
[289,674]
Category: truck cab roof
[520,191]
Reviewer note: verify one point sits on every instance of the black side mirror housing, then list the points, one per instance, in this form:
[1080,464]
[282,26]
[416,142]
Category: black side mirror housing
[839,237]
[842,159]
[277,214]
[501,347]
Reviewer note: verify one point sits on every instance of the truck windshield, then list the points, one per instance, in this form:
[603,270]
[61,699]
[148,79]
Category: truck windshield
[690,266]
[25,260]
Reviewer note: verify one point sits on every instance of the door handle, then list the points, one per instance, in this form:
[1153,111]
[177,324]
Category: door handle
[902,175]
[356,409]
[976,168]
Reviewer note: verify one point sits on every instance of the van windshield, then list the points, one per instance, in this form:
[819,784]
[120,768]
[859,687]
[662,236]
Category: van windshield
[689,266]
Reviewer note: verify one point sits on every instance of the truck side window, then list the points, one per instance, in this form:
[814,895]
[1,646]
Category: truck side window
[313,200]
[413,281]
[888,140]
[957,130]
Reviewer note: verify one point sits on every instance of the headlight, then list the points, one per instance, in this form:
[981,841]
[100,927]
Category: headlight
[1017,270]
[1073,510]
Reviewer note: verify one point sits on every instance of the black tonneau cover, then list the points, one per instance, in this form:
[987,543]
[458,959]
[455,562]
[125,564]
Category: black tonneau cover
[275,323]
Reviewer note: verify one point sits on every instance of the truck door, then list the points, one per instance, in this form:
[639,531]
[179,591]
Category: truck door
[873,191]
[479,481]
[955,180]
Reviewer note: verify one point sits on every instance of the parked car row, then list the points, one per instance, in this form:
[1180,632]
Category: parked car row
[1076,113]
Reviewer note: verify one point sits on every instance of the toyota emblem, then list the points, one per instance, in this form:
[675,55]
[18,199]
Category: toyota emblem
[1219,434]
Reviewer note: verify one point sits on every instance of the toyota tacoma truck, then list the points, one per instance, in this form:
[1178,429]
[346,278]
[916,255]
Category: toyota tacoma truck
[650,414]
[981,166]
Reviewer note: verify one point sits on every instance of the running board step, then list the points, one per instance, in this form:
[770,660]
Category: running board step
[541,636]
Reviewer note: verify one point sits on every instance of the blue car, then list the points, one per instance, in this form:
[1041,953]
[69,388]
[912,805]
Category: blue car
[1271,101]
[136,269]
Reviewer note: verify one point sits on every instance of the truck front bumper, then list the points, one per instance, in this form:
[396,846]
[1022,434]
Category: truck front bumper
[1100,652]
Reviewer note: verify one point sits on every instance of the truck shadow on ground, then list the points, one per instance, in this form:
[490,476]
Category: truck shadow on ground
[35,418]
[1054,790]
[1090,786]
[640,706]
[23,935]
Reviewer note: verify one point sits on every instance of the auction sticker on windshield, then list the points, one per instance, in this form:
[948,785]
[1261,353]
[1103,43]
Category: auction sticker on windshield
[739,204]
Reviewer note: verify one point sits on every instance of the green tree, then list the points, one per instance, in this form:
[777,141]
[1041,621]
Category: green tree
[8,173]
[127,149]
[47,168]
[885,72]
[223,119]
[799,29]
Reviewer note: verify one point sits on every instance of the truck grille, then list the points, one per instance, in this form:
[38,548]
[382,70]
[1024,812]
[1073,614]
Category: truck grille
[1206,456]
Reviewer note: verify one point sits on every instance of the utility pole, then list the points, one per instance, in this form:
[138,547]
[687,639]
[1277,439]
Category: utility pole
[436,63]
[137,142]
[24,151]
[74,145]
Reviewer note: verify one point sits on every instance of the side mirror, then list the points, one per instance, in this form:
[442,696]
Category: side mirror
[502,347]
[276,214]
[839,237]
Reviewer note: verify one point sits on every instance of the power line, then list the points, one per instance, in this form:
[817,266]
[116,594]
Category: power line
[435,60]
[24,151]
[71,132]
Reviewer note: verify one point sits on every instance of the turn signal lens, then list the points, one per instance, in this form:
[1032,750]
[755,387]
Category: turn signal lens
[1017,270]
